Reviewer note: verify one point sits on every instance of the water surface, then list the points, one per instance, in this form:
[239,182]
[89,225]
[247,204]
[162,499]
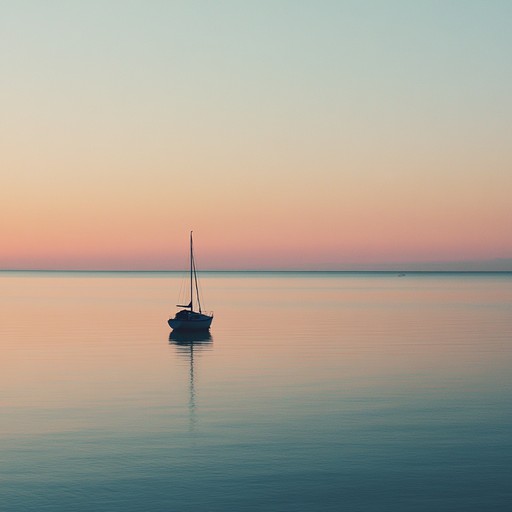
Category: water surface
[314,391]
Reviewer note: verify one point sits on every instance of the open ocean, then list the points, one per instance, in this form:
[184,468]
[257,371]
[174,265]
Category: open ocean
[314,392]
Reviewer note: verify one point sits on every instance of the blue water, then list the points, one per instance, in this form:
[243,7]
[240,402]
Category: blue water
[315,391]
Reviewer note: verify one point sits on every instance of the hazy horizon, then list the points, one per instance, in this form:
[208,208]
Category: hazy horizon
[498,265]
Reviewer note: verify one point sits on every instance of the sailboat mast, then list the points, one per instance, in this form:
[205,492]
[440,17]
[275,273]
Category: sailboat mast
[191,280]
[198,297]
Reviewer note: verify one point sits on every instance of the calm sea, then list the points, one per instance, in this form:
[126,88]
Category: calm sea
[314,392]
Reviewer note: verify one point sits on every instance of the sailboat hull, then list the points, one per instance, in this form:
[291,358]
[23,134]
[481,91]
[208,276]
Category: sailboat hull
[196,322]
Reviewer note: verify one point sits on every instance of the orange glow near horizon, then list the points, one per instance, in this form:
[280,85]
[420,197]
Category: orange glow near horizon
[109,159]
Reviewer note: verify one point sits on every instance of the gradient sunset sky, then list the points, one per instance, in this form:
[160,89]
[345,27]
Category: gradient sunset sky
[287,134]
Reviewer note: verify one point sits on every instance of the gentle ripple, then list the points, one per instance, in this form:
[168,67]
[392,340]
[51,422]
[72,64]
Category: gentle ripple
[316,391]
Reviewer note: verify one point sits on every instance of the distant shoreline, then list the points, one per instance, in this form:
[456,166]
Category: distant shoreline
[403,273]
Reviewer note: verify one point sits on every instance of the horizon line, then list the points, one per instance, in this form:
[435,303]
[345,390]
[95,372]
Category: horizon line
[148,271]
[502,264]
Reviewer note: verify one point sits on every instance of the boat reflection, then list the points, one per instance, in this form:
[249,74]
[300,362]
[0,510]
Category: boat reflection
[182,338]
[187,345]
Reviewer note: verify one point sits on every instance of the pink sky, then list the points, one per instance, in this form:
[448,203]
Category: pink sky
[277,145]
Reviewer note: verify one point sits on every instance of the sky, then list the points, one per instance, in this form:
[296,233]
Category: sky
[305,134]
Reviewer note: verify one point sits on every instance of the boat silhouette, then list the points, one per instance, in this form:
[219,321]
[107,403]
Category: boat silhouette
[188,319]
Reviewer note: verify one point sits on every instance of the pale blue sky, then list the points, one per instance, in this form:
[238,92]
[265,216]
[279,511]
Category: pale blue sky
[351,114]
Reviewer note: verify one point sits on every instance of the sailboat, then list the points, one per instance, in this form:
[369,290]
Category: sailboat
[187,319]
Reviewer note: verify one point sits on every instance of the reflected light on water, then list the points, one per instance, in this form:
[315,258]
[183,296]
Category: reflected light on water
[188,346]
[313,391]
